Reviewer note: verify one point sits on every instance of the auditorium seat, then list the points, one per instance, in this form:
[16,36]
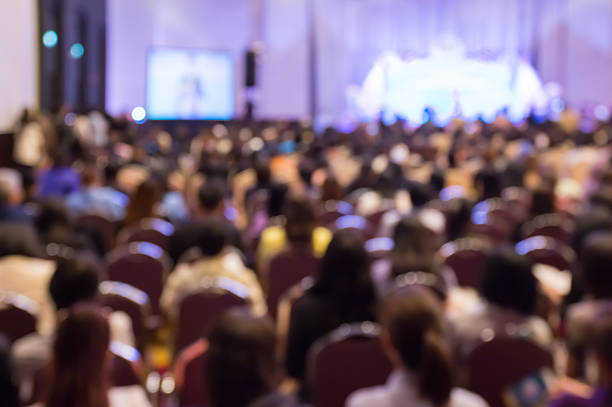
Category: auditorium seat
[330,211]
[18,316]
[348,359]
[142,265]
[199,310]
[379,247]
[552,225]
[466,257]
[546,250]
[189,376]
[150,230]
[105,227]
[357,223]
[503,361]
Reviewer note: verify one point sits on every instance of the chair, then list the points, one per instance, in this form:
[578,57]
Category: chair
[333,210]
[199,310]
[189,376]
[18,315]
[151,230]
[501,362]
[105,227]
[287,269]
[379,247]
[466,257]
[493,218]
[552,225]
[142,265]
[546,250]
[348,359]
[356,223]
[134,302]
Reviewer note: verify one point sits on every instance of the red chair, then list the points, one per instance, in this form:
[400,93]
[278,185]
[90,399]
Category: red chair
[106,227]
[348,359]
[356,223]
[18,316]
[546,250]
[466,257]
[142,265]
[189,376]
[286,270]
[501,362]
[199,310]
[552,225]
[134,302]
[379,247]
[332,210]
[151,230]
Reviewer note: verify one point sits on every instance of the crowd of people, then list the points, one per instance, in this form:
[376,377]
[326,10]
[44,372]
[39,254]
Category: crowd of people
[369,216]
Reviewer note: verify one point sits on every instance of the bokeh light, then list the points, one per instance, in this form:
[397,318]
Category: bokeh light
[139,114]
[77,50]
[49,39]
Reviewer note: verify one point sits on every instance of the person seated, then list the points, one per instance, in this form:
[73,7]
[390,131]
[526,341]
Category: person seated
[143,203]
[219,260]
[263,177]
[509,292]
[11,197]
[543,201]
[242,367]
[60,179]
[582,317]
[211,206]
[601,344]
[343,292]
[97,198]
[79,374]
[413,339]
[299,229]
[22,271]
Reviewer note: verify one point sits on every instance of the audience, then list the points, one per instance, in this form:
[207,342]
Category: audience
[60,180]
[11,197]
[413,339]
[9,389]
[143,202]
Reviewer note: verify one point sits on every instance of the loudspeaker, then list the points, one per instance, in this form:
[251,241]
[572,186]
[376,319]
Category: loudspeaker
[251,64]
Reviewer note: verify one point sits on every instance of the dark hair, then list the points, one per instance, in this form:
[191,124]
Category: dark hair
[241,362]
[19,239]
[78,375]
[596,219]
[344,277]
[262,173]
[53,213]
[508,281]
[9,390]
[300,220]
[276,199]
[602,339]
[211,237]
[331,189]
[211,194]
[305,169]
[488,182]
[142,202]
[75,280]
[542,201]
[413,320]
[458,216]
[412,250]
[596,261]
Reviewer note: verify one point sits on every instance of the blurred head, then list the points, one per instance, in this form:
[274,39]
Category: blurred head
[306,169]
[300,220]
[210,197]
[53,214]
[75,280]
[211,237]
[241,362]
[508,282]
[276,199]
[262,173]
[92,176]
[412,250]
[9,390]
[11,188]
[142,202]
[458,217]
[488,184]
[596,262]
[413,338]
[603,350]
[543,201]
[19,239]
[331,189]
[344,276]
[597,219]
[79,375]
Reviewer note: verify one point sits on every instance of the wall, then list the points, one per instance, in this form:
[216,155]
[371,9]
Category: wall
[19,65]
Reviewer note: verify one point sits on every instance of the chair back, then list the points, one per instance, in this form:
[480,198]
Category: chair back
[105,227]
[199,310]
[18,315]
[348,359]
[142,265]
[546,250]
[502,362]
[286,270]
[466,257]
[134,302]
[332,210]
[553,225]
[354,222]
[379,247]
[151,230]
[190,376]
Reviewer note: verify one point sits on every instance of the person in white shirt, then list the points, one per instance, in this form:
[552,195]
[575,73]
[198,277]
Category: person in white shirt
[413,340]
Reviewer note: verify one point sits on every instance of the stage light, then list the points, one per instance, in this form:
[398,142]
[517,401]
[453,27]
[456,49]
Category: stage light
[139,114]
[77,50]
[602,113]
[49,39]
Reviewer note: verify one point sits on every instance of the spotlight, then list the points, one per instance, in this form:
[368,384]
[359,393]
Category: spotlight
[77,50]
[49,39]
[139,114]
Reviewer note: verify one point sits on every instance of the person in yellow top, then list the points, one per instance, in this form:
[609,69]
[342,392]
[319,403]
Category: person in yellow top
[220,265]
[299,228]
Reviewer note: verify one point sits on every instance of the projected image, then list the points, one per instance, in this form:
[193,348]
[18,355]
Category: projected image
[190,85]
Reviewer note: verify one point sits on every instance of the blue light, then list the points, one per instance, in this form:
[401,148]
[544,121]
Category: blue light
[49,39]
[77,51]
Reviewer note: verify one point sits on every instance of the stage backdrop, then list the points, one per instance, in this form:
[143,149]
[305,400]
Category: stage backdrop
[568,41]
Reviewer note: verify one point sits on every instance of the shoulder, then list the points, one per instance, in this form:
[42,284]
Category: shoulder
[133,396]
[464,398]
[570,401]
[374,396]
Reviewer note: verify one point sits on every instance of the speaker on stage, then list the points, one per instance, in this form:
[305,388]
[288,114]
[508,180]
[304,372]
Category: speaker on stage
[251,68]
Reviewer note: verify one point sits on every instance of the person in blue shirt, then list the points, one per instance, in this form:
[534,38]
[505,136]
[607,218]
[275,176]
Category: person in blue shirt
[95,198]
